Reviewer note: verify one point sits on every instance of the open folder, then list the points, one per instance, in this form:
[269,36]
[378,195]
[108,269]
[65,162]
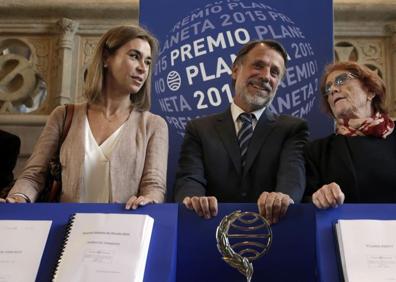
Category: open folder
[105,247]
[367,250]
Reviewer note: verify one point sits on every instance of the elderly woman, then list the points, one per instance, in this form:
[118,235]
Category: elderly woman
[357,164]
[116,150]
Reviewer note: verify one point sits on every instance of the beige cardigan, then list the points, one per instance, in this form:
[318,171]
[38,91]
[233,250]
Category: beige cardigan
[137,166]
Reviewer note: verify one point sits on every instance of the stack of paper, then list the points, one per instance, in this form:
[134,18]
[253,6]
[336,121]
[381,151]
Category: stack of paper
[22,244]
[367,250]
[105,247]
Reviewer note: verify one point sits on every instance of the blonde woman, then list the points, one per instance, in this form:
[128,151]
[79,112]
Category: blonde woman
[116,150]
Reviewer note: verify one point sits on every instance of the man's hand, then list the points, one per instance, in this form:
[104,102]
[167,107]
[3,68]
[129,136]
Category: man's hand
[329,195]
[203,206]
[273,205]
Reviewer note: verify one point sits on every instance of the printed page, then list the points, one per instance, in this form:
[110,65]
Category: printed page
[368,250]
[105,247]
[22,244]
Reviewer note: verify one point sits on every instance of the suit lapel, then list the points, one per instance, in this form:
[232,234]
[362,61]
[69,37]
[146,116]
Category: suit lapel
[263,128]
[226,129]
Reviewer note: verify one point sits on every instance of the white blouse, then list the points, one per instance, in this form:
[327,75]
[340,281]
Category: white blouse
[96,186]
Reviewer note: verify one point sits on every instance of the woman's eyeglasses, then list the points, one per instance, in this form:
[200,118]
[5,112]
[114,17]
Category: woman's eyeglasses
[338,81]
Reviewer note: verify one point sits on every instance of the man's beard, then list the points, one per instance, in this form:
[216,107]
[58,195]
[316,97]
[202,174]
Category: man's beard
[257,101]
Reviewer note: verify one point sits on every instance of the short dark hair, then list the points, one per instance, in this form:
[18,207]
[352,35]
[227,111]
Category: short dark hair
[369,79]
[275,45]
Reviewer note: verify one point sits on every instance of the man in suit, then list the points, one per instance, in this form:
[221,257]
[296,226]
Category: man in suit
[256,157]
[9,151]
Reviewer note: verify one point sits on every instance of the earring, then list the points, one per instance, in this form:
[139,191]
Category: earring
[105,65]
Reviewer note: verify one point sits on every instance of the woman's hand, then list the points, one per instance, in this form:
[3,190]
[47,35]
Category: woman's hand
[329,195]
[12,199]
[134,202]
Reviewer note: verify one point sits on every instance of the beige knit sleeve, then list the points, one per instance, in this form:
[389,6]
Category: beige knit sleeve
[32,179]
[153,182]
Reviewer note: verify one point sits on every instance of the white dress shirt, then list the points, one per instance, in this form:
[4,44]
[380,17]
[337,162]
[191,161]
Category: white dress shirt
[236,111]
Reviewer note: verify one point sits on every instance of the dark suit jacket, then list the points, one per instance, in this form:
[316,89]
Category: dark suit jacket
[9,151]
[210,164]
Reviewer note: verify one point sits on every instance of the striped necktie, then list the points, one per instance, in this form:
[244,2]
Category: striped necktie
[245,134]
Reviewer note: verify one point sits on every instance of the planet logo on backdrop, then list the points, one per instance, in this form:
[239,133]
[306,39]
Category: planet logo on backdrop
[173,80]
[192,76]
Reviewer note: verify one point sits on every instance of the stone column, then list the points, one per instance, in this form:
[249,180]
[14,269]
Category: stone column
[67,29]
[391,29]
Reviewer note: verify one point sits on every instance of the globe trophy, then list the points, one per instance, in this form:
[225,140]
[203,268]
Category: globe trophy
[243,237]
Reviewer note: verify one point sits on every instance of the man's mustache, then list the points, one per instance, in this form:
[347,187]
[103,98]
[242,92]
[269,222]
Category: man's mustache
[262,83]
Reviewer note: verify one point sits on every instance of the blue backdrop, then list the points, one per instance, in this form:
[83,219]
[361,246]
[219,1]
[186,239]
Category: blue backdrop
[199,39]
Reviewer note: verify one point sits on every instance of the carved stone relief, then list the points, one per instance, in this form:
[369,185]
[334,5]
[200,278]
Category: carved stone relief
[391,30]
[87,48]
[22,87]
[65,77]
[369,52]
[43,52]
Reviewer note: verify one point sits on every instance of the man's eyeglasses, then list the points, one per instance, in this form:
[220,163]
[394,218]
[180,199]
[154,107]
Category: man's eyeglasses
[338,81]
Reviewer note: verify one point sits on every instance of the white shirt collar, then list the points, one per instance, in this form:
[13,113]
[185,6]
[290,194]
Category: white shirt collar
[236,111]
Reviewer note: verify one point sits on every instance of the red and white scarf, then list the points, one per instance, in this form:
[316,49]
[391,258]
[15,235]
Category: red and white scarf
[379,125]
